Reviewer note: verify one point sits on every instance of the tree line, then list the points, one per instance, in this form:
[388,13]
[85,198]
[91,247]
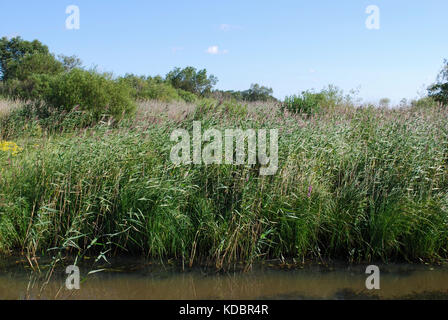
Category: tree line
[27,66]
[29,71]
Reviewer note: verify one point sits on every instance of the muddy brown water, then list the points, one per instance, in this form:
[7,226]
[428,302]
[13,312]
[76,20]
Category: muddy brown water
[141,280]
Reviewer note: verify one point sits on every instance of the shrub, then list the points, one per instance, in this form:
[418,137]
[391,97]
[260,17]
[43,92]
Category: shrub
[32,88]
[90,91]
[148,88]
[37,63]
[424,103]
[310,102]
[158,91]
[187,96]
[307,102]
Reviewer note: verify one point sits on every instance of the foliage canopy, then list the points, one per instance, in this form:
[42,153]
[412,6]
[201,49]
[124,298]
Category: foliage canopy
[439,90]
[191,80]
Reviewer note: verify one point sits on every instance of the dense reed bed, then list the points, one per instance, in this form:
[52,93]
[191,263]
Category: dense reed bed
[354,184]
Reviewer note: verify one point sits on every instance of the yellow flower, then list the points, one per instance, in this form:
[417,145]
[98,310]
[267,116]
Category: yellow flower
[8,146]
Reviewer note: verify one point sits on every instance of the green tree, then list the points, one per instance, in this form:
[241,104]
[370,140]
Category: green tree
[258,93]
[37,63]
[15,49]
[191,80]
[70,62]
[439,90]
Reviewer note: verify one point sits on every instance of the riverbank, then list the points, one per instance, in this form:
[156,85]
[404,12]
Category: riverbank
[354,184]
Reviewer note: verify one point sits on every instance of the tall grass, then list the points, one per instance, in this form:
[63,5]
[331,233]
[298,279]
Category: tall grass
[6,106]
[355,184]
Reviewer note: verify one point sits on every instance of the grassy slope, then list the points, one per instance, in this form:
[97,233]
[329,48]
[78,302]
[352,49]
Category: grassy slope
[378,181]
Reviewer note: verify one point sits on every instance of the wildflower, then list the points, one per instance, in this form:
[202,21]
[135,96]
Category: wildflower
[8,146]
[310,189]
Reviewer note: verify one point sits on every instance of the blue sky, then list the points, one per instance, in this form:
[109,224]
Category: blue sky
[287,45]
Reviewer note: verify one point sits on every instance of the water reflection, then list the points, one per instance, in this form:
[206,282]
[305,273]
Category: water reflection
[142,280]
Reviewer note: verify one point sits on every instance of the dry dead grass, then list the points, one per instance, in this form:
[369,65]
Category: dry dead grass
[6,106]
[153,111]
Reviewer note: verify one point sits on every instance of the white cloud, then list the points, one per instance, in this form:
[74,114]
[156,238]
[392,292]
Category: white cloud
[213,50]
[216,50]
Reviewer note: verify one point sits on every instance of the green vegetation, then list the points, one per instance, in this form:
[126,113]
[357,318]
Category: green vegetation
[13,51]
[85,167]
[30,72]
[91,91]
[439,90]
[188,79]
[358,184]
[155,88]
[255,93]
[310,102]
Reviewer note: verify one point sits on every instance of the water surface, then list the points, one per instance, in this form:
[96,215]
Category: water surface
[141,280]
